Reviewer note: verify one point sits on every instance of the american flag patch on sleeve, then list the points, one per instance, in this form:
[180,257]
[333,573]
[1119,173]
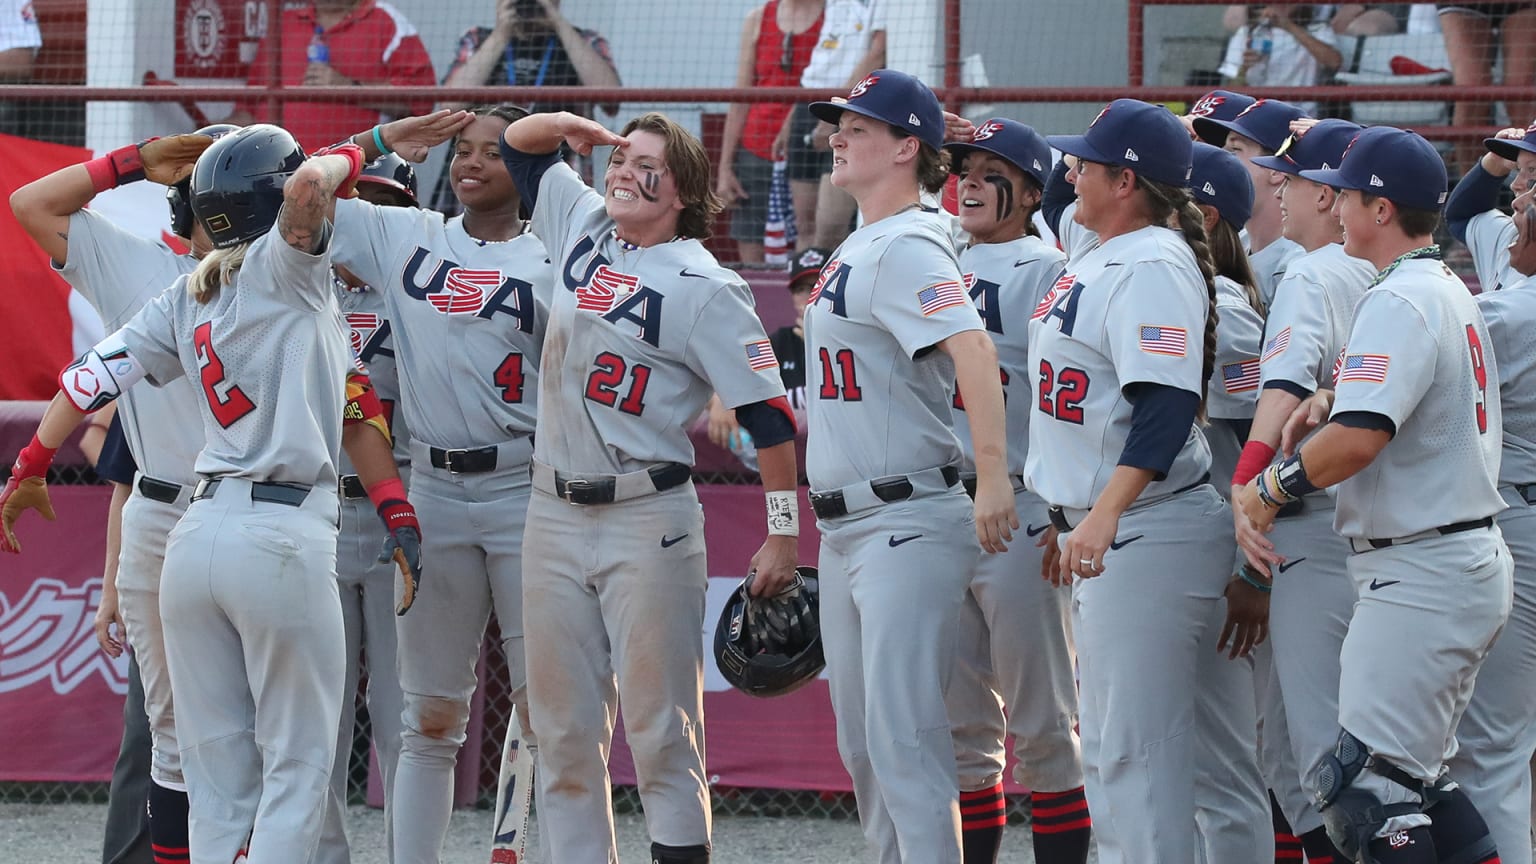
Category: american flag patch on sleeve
[1173,341]
[1276,346]
[1368,368]
[1240,377]
[760,356]
[940,296]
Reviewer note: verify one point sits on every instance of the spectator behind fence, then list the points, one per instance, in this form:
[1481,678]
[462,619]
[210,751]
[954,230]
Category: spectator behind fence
[339,43]
[1281,46]
[533,45]
[851,46]
[19,41]
[1469,41]
[776,43]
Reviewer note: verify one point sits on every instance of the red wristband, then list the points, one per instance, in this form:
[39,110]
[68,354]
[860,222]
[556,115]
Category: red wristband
[353,154]
[1256,457]
[33,461]
[123,165]
[386,490]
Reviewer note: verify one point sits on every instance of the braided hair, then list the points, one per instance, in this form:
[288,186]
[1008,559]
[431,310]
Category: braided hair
[1166,202]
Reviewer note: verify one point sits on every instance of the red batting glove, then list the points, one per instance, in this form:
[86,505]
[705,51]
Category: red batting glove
[353,154]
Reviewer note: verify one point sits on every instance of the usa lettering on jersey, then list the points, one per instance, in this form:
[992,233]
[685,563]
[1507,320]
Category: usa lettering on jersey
[1276,345]
[1062,284]
[822,277]
[629,301]
[362,327]
[455,290]
[940,296]
[1367,368]
[1156,339]
[1240,377]
[604,289]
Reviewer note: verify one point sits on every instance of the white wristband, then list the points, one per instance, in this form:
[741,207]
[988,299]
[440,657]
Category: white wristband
[784,513]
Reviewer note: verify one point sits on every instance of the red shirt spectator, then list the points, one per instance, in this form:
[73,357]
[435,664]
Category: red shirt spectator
[780,58]
[372,43]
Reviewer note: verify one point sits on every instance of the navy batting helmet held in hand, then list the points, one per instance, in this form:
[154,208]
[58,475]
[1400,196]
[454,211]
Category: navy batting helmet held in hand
[770,646]
[179,196]
[237,184]
[394,173]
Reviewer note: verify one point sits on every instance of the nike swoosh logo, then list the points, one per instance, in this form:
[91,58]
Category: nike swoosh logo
[1033,531]
[1018,264]
[897,541]
[669,542]
[684,272]
[1121,544]
[1289,564]
[1377,583]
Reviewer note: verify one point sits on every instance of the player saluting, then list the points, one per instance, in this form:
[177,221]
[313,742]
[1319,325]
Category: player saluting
[644,328]
[1014,642]
[888,331]
[1496,735]
[118,272]
[467,298]
[1121,350]
[1472,211]
[1415,409]
[249,571]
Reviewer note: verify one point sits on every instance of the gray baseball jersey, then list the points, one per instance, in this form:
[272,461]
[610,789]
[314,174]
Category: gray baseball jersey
[271,359]
[1310,317]
[1075,239]
[467,317]
[1269,265]
[890,413]
[118,273]
[1093,335]
[1006,281]
[1510,316]
[652,332]
[1419,354]
[366,315]
[1232,392]
[1489,235]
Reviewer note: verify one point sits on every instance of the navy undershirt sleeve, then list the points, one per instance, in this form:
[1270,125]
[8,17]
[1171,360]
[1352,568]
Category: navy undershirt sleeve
[1366,420]
[1290,387]
[1161,417]
[116,461]
[766,423]
[527,170]
[1057,195]
[1478,192]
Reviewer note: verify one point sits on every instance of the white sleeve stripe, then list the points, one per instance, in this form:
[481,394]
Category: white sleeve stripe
[403,29]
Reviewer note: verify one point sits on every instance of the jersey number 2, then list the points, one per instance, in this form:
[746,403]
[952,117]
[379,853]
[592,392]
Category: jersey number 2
[228,401]
[1480,375]
[1061,393]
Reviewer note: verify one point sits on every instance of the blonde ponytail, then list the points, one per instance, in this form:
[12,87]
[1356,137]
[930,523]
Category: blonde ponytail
[218,268]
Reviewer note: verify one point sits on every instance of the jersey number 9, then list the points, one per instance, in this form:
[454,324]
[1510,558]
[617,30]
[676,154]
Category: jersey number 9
[1480,375]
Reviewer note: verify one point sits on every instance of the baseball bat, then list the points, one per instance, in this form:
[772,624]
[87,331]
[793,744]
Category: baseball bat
[514,791]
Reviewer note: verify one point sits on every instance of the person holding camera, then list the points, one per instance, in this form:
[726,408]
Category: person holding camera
[1281,46]
[533,45]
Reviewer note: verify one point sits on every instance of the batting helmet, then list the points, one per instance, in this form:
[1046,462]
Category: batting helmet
[179,195]
[237,184]
[769,646]
[393,172]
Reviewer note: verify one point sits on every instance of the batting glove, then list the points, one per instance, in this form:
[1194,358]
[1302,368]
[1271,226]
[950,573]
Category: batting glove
[404,543]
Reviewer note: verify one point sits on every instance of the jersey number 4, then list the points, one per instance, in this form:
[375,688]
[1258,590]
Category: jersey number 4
[603,383]
[228,401]
[1062,392]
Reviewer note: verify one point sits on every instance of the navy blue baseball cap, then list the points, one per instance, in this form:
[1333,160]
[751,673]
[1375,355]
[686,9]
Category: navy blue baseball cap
[1511,148]
[1217,105]
[1393,163]
[1267,121]
[891,97]
[1321,147]
[1011,140]
[1143,137]
[1221,180]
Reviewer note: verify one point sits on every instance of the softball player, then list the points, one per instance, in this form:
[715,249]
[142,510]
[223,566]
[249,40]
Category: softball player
[646,327]
[889,328]
[256,662]
[1115,451]
[1413,411]
[1310,607]
[1260,130]
[1498,733]
[118,272]
[1014,641]
[467,299]
[1471,211]
[368,584]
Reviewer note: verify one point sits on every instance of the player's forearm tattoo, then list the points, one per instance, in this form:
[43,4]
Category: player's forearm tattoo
[302,220]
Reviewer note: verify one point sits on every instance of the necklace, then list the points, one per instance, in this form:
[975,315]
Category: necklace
[630,247]
[1430,251]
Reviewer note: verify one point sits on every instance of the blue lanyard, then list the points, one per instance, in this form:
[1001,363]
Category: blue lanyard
[509,60]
